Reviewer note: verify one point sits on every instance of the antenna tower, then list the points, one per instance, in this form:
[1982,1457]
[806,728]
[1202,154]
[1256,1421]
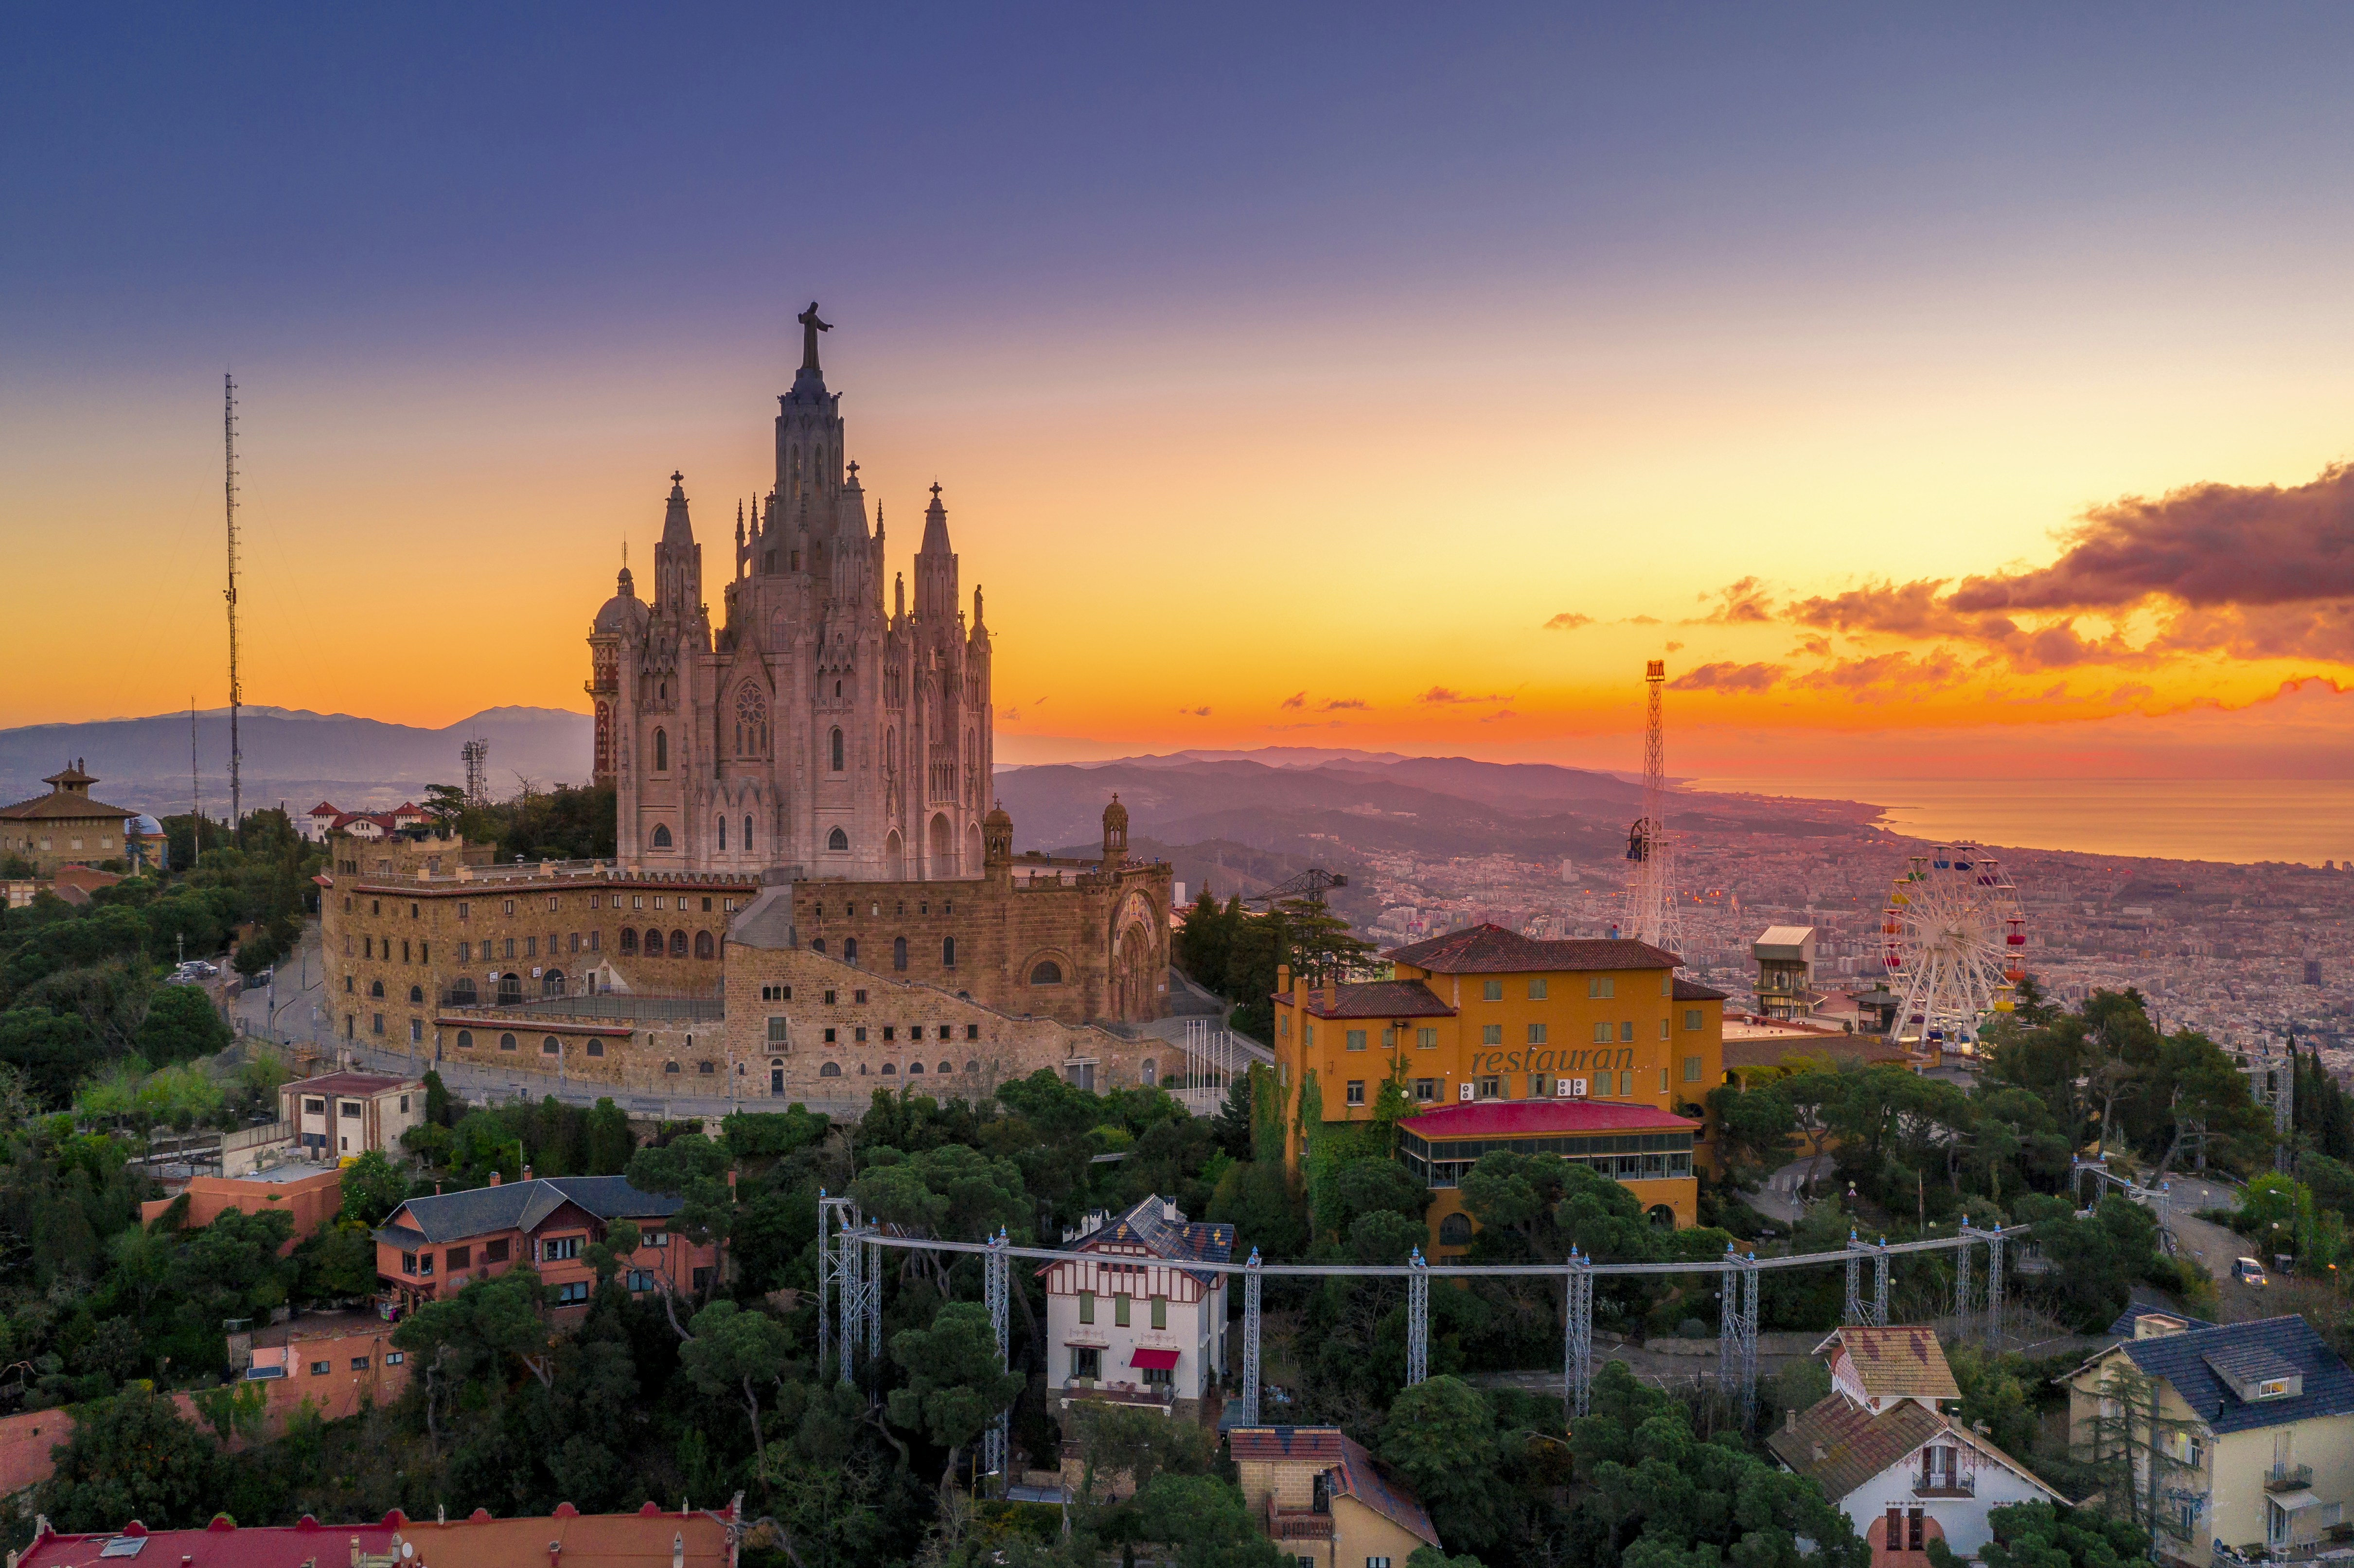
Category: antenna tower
[1657,919]
[195,790]
[477,755]
[228,449]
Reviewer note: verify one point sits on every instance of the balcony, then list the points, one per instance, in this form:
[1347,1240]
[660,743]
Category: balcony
[1297,1523]
[1944,1484]
[2288,1477]
[1162,1399]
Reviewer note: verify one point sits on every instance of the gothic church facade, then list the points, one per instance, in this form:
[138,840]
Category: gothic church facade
[817,732]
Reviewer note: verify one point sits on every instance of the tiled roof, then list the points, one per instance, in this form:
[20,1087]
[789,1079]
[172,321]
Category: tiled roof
[1693,990]
[1148,1225]
[1535,1118]
[64,806]
[349,1083]
[1300,1444]
[1903,1361]
[1856,1444]
[641,1539]
[1377,999]
[521,1206]
[1353,1471]
[1492,950]
[325,810]
[2142,1305]
[2186,1361]
[1359,1477]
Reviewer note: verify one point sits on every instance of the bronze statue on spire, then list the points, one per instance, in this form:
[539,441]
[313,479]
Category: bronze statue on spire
[811,327]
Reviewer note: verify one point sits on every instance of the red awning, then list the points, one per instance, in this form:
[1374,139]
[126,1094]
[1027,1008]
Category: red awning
[1155,1361]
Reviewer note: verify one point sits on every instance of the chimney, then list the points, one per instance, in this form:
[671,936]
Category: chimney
[1819,1455]
[1789,1420]
[494,1175]
[437,1187]
[678,1551]
[527,1172]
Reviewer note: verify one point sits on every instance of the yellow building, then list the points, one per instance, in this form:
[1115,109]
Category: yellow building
[65,827]
[1324,1501]
[1487,1014]
[1647,1151]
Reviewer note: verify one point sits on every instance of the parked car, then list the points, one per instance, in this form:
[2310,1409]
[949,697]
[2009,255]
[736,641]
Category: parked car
[2248,1271]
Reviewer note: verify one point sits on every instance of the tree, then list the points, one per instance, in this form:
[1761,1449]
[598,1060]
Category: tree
[609,1143]
[482,1325]
[692,1169]
[2039,1535]
[181,1023]
[2137,1446]
[51,1049]
[1121,1440]
[132,1456]
[733,1352]
[956,1384]
[1755,1124]
[373,1188]
[1441,1437]
[1205,1519]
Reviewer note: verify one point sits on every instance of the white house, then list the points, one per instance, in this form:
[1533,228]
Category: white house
[313,823]
[1887,1454]
[1128,1321]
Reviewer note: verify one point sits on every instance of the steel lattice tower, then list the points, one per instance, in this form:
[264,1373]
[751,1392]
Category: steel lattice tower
[1250,1338]
[1657,919]
[1737,1334]
[476,755]
[1417,1319]
[1577,1334]
[994,1279]
[228,453]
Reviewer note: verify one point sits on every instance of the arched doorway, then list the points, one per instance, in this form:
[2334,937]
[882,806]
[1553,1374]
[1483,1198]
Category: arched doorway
[551,983]
[894,857]
[510,989]
[1135,984]
[943,848]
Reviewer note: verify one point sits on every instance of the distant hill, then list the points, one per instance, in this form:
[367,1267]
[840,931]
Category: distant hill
[295,756]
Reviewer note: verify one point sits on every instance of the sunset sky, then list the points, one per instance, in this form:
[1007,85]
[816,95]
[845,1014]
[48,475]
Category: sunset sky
[1938,394]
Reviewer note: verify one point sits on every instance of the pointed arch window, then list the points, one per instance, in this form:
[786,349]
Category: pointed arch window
[748,833]
[948,952]
[661,836]
[898,952]
[836,743]
[723,833]
[837,841]
[661,751]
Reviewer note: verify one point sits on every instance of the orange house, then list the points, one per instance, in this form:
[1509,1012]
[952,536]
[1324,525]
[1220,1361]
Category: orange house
[430,1247]
[311,1196]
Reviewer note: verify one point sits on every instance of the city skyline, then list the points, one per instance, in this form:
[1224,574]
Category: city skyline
[1402,389]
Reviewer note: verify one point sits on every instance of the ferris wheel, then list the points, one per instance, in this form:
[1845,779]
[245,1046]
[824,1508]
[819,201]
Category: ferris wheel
[1955,945]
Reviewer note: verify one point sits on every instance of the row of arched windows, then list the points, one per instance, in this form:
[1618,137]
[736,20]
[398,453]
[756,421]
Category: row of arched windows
[548,1045]
[746,841]
[890,1070]
[898,951]
[653,944]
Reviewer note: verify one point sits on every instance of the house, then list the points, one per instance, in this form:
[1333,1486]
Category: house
[307,1195]
[429,1247]
[1323,1501]
[66,826]
[2252,1433]
[1786,970]
[1887,1454]
[313,823]
[1126,1319]
[339,1116]
[649,1537]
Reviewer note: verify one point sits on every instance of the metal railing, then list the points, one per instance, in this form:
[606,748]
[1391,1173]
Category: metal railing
[2287,1478]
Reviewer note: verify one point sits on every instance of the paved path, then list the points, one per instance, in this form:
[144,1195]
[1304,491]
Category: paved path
[1778,1200]
[2214,1246]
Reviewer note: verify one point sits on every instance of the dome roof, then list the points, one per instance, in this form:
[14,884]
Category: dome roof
[1115,814]
[624,610]
[998,818]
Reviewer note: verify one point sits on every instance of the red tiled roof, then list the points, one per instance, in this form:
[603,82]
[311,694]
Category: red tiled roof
[1376,999]
[1310,1444]
[1492,950]
[348,1084]
[64,806]
[641,1539]
[1856,1445]
[1541,1118]
[325,810]
[1359,1477]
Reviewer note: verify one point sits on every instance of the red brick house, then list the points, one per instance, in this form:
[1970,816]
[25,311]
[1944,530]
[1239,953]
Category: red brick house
[430,1247]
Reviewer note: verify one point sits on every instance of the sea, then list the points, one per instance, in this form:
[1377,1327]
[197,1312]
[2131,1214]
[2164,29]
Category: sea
[2303,821]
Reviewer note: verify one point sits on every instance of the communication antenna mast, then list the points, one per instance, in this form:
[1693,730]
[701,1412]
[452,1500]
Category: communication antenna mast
[228,449]
[195,790]
[1657,919]
[477,755]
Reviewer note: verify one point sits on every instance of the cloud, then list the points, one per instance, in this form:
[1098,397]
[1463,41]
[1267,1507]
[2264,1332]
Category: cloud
[1640,621]
[2203,546]
[1498,713]
[2264,631]
[1727,676]
[1296,699]
[1819,647]
[1343,704]
[1009,714]
[1201,712]
[1742,603]
[2132,693]
[1675,647]
[1900,610]
[1448,696]
[1885,675]
[1568,620]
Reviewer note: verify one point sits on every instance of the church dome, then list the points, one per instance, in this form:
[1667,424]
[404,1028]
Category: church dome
[999,818]
[1115,816]
[624,611]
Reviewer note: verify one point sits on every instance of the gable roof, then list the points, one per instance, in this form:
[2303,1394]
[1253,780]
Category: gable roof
[1856,1444]
[64,805]
[1490,949]
[518,1206]
[1903,1361]
[1693,990]
[1375,999]
[2187,1362]
[1354,1474]
[1148,1225]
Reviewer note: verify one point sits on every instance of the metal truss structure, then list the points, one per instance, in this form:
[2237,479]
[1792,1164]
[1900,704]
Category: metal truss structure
[1736,1332]
[994,1279]
[839,1288]
[1417,1319]
[1873,1313]
[1577,1334]
[1251,1277]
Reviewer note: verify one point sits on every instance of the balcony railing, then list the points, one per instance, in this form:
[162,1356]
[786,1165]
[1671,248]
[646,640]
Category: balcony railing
[1297,1523]
[2288,1477]
[1942,1483]
[1160,1398]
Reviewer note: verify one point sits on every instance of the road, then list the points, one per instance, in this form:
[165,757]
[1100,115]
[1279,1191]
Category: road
[2214,1246]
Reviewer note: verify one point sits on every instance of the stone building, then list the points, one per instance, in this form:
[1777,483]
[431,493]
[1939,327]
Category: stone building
[66,827]
[815,728]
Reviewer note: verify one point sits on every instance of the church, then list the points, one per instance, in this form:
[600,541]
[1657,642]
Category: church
[818,727]
[813,894]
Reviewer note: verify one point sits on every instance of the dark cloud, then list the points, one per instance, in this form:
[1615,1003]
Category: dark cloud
[1448,695]
[1727,676]
[1742,603]
[2203,546]
[1203,711]
[1297,700]
[2265,631]
[1885,675]
[1498,713]
[1568,620]
[1338,704]
[1675,647]
[1901,609]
